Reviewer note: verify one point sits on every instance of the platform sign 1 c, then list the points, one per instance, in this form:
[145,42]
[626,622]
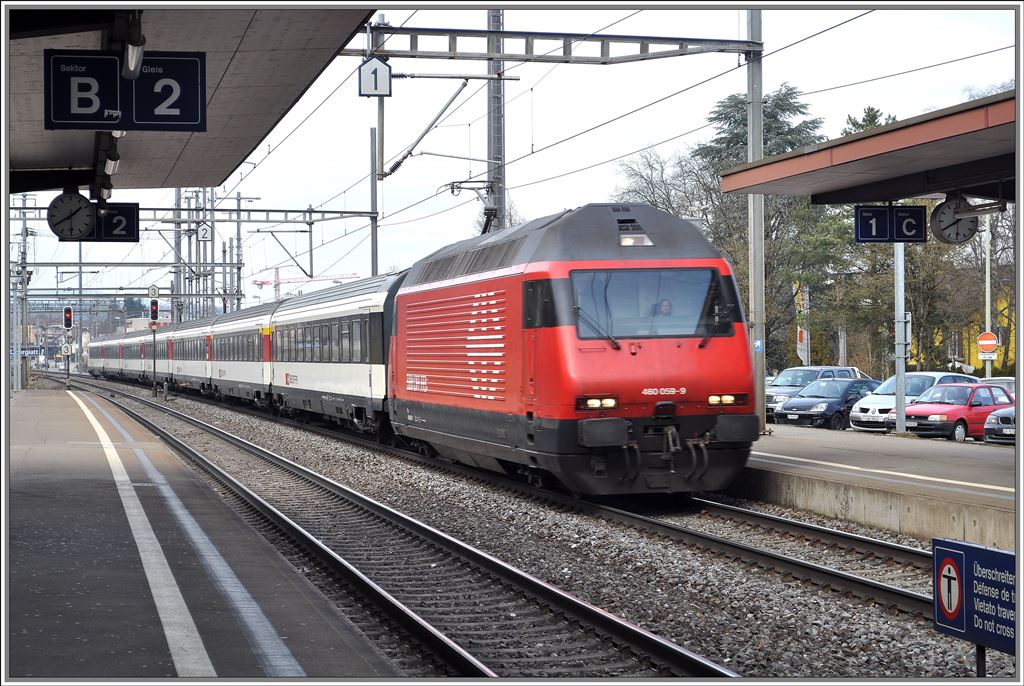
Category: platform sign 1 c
[974,589]
[890,223]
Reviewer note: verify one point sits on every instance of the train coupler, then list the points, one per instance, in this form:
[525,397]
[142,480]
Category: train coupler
[670,446]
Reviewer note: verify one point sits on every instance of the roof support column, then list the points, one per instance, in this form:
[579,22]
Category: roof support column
[755,212]
[901,343]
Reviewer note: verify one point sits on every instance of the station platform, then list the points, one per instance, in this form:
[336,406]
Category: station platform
[922,487]
[124,564]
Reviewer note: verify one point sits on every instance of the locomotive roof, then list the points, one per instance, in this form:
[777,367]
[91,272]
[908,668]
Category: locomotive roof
[590,232]
[373,284]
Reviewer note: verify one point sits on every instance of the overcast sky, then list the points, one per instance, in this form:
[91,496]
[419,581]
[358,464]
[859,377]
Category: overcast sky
[329,152]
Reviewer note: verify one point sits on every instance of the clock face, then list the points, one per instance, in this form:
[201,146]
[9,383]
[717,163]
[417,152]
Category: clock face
[71,216]
[949,228]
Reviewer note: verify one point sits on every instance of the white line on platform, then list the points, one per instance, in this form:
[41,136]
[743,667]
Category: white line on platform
[904,475]
[187,649]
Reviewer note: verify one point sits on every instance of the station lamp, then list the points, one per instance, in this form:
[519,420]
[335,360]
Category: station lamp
[154,310]
[134,47]
[113,159]
[69,317]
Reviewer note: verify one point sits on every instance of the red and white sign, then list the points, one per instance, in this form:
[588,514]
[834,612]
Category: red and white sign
[987,342]
[950,589]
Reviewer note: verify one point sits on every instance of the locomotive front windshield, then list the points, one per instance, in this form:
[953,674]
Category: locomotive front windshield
[659,303]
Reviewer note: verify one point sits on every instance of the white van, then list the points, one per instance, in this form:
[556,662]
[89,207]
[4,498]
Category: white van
[869,413]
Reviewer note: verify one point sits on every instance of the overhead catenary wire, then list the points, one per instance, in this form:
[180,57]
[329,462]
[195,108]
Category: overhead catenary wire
[618,157]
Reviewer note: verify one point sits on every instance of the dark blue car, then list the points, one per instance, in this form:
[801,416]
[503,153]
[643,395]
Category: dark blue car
[825,402]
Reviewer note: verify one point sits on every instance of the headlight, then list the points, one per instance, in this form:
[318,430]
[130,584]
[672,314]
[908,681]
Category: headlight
[820,407]
[991,419]
[936,418]
[856,408]
[596,403]
[781,398]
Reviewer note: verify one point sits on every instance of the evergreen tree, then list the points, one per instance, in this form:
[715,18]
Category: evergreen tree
[872,118]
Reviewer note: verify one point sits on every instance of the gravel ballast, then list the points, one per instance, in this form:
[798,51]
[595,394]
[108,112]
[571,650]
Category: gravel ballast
[757,623]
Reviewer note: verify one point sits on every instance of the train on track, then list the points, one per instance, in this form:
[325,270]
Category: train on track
[602,347]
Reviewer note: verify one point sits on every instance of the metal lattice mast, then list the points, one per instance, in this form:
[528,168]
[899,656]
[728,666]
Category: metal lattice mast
[496,121]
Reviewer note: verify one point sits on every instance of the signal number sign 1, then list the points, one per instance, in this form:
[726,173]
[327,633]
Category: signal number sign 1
[374,78]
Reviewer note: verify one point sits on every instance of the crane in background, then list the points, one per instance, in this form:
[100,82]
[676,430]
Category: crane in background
[277,280]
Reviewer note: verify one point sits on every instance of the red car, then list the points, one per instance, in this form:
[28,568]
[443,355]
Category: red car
[953,411]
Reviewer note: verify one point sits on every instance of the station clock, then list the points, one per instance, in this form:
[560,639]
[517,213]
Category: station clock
[71,215]
[949,228]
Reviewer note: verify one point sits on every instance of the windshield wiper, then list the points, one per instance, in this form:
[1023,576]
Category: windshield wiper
[596,327]
[712,303]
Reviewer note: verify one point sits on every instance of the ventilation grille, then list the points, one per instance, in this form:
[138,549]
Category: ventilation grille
[471,262]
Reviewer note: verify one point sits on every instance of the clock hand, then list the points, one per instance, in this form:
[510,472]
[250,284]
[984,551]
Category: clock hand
[68,218]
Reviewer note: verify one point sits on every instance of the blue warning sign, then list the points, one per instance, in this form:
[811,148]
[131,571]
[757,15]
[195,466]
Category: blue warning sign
[975,594]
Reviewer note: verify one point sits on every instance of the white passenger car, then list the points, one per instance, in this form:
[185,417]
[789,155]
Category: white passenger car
[241,353]
[329,350]
[190,354]
[869,413]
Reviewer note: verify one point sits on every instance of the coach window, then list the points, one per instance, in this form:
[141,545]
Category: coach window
[357,341]
[291,345]
[316,343]
[335,343]
[346,343]
[325,343]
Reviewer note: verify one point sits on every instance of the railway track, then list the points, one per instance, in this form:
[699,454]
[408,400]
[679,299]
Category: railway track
[871,552]
[477,614]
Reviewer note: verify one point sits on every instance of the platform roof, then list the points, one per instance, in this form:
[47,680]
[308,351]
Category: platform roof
[259,63]
[969,147]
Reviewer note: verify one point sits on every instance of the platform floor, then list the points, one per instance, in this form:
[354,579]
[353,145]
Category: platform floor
[123,564]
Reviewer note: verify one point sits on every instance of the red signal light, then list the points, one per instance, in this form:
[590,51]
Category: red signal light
[69,317]
[154,310]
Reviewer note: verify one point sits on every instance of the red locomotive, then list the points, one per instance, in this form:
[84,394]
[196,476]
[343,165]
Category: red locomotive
[603,346]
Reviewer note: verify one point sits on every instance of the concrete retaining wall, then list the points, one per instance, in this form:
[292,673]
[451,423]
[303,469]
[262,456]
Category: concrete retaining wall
[913,515]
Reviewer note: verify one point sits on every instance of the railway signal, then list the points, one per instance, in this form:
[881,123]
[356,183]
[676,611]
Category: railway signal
[69,317]
[154,310]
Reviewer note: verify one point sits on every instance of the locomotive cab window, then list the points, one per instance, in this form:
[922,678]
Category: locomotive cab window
[654,303]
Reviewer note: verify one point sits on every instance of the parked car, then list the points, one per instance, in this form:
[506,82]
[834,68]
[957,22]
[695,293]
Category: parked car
[1001,426]
[869,413]
[1007,382]
[785,385]
[953,411]
[825,402]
